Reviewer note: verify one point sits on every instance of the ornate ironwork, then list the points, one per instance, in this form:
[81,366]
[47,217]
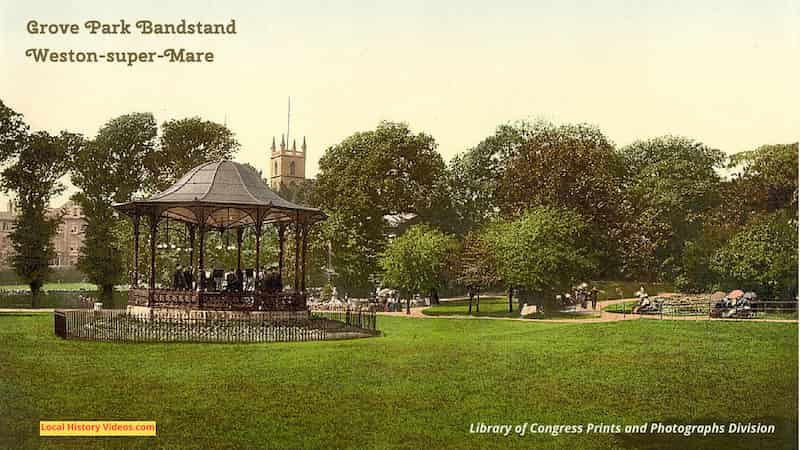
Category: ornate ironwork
[218,301]
[180,326]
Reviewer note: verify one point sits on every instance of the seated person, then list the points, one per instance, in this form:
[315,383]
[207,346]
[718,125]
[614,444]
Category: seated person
[230,281]
[219,277]
[270,280]
[211,284]
[277,283]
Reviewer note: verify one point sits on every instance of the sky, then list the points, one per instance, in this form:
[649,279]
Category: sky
[722,72]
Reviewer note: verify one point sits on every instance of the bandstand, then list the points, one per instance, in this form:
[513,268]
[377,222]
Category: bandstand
[222,196]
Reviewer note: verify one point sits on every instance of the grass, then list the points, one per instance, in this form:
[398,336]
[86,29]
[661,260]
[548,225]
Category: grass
[492,307]
[57,300]
[420,386]
[626,307]
[780,315]
[52,287]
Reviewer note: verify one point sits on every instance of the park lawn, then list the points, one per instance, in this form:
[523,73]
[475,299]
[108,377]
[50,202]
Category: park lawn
[419,386]
[52,287]
[492,307]
[623,307]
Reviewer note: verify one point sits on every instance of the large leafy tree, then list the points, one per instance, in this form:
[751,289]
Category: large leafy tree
[572,166]
[473,175]
[475,266]
[34,177]
[415,262]
[764,180]
[545,250]
[354,257]
[671,185]
[13,132]
[110,169]
[301,192]
[563,166]
[762,257]
[126,158]
[378,182]
[186,143]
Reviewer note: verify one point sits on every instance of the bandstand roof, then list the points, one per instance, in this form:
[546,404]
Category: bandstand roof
[223,194]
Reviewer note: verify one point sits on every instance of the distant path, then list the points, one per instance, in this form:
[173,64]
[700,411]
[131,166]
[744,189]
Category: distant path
[605,316]
[416,312]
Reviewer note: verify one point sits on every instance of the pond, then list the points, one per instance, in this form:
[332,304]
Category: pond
[58,299]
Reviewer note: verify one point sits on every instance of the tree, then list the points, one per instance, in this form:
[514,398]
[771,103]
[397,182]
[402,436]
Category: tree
[110,169]
[13,132]
[414,262]
[764,181]
[476,267]
[572,166]
[354,257]
[672,184]
[300,192]
[566,166]
[185,144]
[695,273]
[546,250]
[638,236]
[473,175]
[762,257]
[34,177]
[377,183]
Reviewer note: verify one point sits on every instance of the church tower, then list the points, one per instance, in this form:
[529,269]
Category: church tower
[287,165]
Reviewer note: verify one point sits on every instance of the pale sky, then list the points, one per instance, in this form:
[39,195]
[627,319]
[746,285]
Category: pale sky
[722,72]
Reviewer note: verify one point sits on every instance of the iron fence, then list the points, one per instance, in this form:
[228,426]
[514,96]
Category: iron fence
[358,318]
[756,310]
[167,326]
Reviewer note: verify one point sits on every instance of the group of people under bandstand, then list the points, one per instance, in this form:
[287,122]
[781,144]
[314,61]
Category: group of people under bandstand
[218,280]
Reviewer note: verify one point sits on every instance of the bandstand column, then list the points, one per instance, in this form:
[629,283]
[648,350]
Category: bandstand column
[239,238]
[257,227]
[136,220]
[201,272]
[153,234]
[297,239]
[303,267]
[281,247]
[190,228]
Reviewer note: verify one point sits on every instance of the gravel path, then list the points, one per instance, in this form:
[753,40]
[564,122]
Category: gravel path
[604,316]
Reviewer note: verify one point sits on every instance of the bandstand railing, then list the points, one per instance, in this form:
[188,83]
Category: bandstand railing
[218,300]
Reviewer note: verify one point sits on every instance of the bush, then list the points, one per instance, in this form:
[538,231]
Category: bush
[762,257]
